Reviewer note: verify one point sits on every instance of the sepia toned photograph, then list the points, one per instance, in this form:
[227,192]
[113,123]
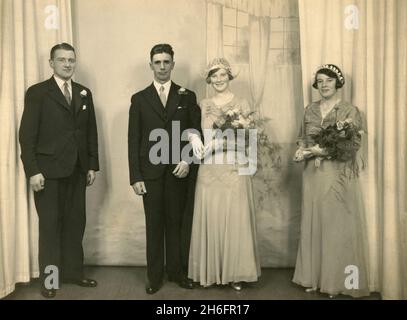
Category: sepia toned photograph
[226,151]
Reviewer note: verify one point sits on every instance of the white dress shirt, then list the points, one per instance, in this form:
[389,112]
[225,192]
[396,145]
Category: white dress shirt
[61,83]
[166,86]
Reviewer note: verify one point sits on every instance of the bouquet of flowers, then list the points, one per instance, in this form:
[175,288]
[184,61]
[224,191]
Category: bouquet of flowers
[237,119]
[341,141]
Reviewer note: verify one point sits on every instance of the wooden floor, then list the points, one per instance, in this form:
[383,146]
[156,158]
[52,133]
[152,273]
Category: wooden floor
[127,283]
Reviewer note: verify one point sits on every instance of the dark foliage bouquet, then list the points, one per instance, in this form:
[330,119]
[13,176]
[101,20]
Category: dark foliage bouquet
[341,140]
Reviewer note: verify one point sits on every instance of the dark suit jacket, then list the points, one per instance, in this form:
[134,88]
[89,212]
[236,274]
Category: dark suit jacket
[54,135]
[146,114]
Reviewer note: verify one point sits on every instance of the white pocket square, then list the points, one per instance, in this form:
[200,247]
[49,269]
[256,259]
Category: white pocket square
[84,107]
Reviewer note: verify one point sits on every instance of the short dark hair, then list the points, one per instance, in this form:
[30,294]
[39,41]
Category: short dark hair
[63,46]
[161,48]
[339,84]
[208,78]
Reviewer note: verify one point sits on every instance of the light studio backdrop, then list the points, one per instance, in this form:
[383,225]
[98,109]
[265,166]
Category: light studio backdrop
[275,45]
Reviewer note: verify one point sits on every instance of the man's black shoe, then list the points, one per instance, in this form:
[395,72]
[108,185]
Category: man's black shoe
[90,283]
[48,293]
[183,282]
[186,283]
[152,290]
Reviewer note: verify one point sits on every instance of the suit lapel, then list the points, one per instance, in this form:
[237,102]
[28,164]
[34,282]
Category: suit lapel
[173,100]
[76,97]
[152,97]
[56,94]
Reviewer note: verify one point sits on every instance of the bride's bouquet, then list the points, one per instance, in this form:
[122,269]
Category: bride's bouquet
[236,119]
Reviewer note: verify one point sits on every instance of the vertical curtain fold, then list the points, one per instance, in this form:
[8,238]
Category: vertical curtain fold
[214,34]
[25,44]
[259,43]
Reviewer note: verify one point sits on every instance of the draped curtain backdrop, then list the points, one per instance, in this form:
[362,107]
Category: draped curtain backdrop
[364,38]
[259,12]
[29,28]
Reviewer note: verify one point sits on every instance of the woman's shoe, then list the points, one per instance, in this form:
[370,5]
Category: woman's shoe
[311,290]
[237,286]
[332,296]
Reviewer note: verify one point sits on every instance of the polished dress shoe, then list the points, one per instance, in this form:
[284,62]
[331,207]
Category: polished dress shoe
[48,293]
[183,282]
[152,289]
[186,283]
[89,283]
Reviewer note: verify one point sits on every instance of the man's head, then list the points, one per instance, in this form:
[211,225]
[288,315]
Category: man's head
[63,60]
[162,62]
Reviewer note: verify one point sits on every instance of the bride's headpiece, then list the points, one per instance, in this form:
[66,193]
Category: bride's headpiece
[219,63]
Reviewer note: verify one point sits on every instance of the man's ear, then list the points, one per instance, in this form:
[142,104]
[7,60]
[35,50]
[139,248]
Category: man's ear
[151,65]
[51,63]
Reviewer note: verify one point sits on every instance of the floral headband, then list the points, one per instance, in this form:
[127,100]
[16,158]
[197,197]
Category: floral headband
[334,69]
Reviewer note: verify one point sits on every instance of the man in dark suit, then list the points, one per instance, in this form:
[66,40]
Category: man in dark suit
[165,187]
[59,150]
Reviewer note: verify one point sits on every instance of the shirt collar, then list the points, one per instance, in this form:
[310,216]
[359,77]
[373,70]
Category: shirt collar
[61,82]
[166,85]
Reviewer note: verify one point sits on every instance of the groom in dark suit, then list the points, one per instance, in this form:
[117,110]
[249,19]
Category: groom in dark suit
[165,187]
[59,150]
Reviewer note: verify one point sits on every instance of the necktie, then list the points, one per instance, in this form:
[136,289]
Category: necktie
[67,94]
[163,98]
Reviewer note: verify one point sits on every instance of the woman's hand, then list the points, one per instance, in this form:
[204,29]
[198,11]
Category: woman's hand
[299,155]
[315,151]
[197,146]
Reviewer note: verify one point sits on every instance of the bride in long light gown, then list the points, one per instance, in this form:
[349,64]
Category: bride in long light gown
[223,246]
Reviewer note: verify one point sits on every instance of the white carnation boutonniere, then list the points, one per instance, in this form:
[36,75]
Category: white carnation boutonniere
[83,94]
[182,91]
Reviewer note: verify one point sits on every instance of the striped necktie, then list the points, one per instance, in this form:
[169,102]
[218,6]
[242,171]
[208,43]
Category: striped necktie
[163,98]
[67,94]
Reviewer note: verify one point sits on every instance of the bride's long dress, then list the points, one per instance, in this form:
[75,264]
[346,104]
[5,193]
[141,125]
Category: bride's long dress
[223,242]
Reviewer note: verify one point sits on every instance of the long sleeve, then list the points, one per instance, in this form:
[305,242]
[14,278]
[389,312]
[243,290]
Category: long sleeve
[301,133]
[28,133]
[195,134]
[195,114]
[134,138]
[93,153]
[356,117]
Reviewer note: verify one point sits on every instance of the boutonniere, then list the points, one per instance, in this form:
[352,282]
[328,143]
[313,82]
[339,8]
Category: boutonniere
[182,91]
[83,94]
